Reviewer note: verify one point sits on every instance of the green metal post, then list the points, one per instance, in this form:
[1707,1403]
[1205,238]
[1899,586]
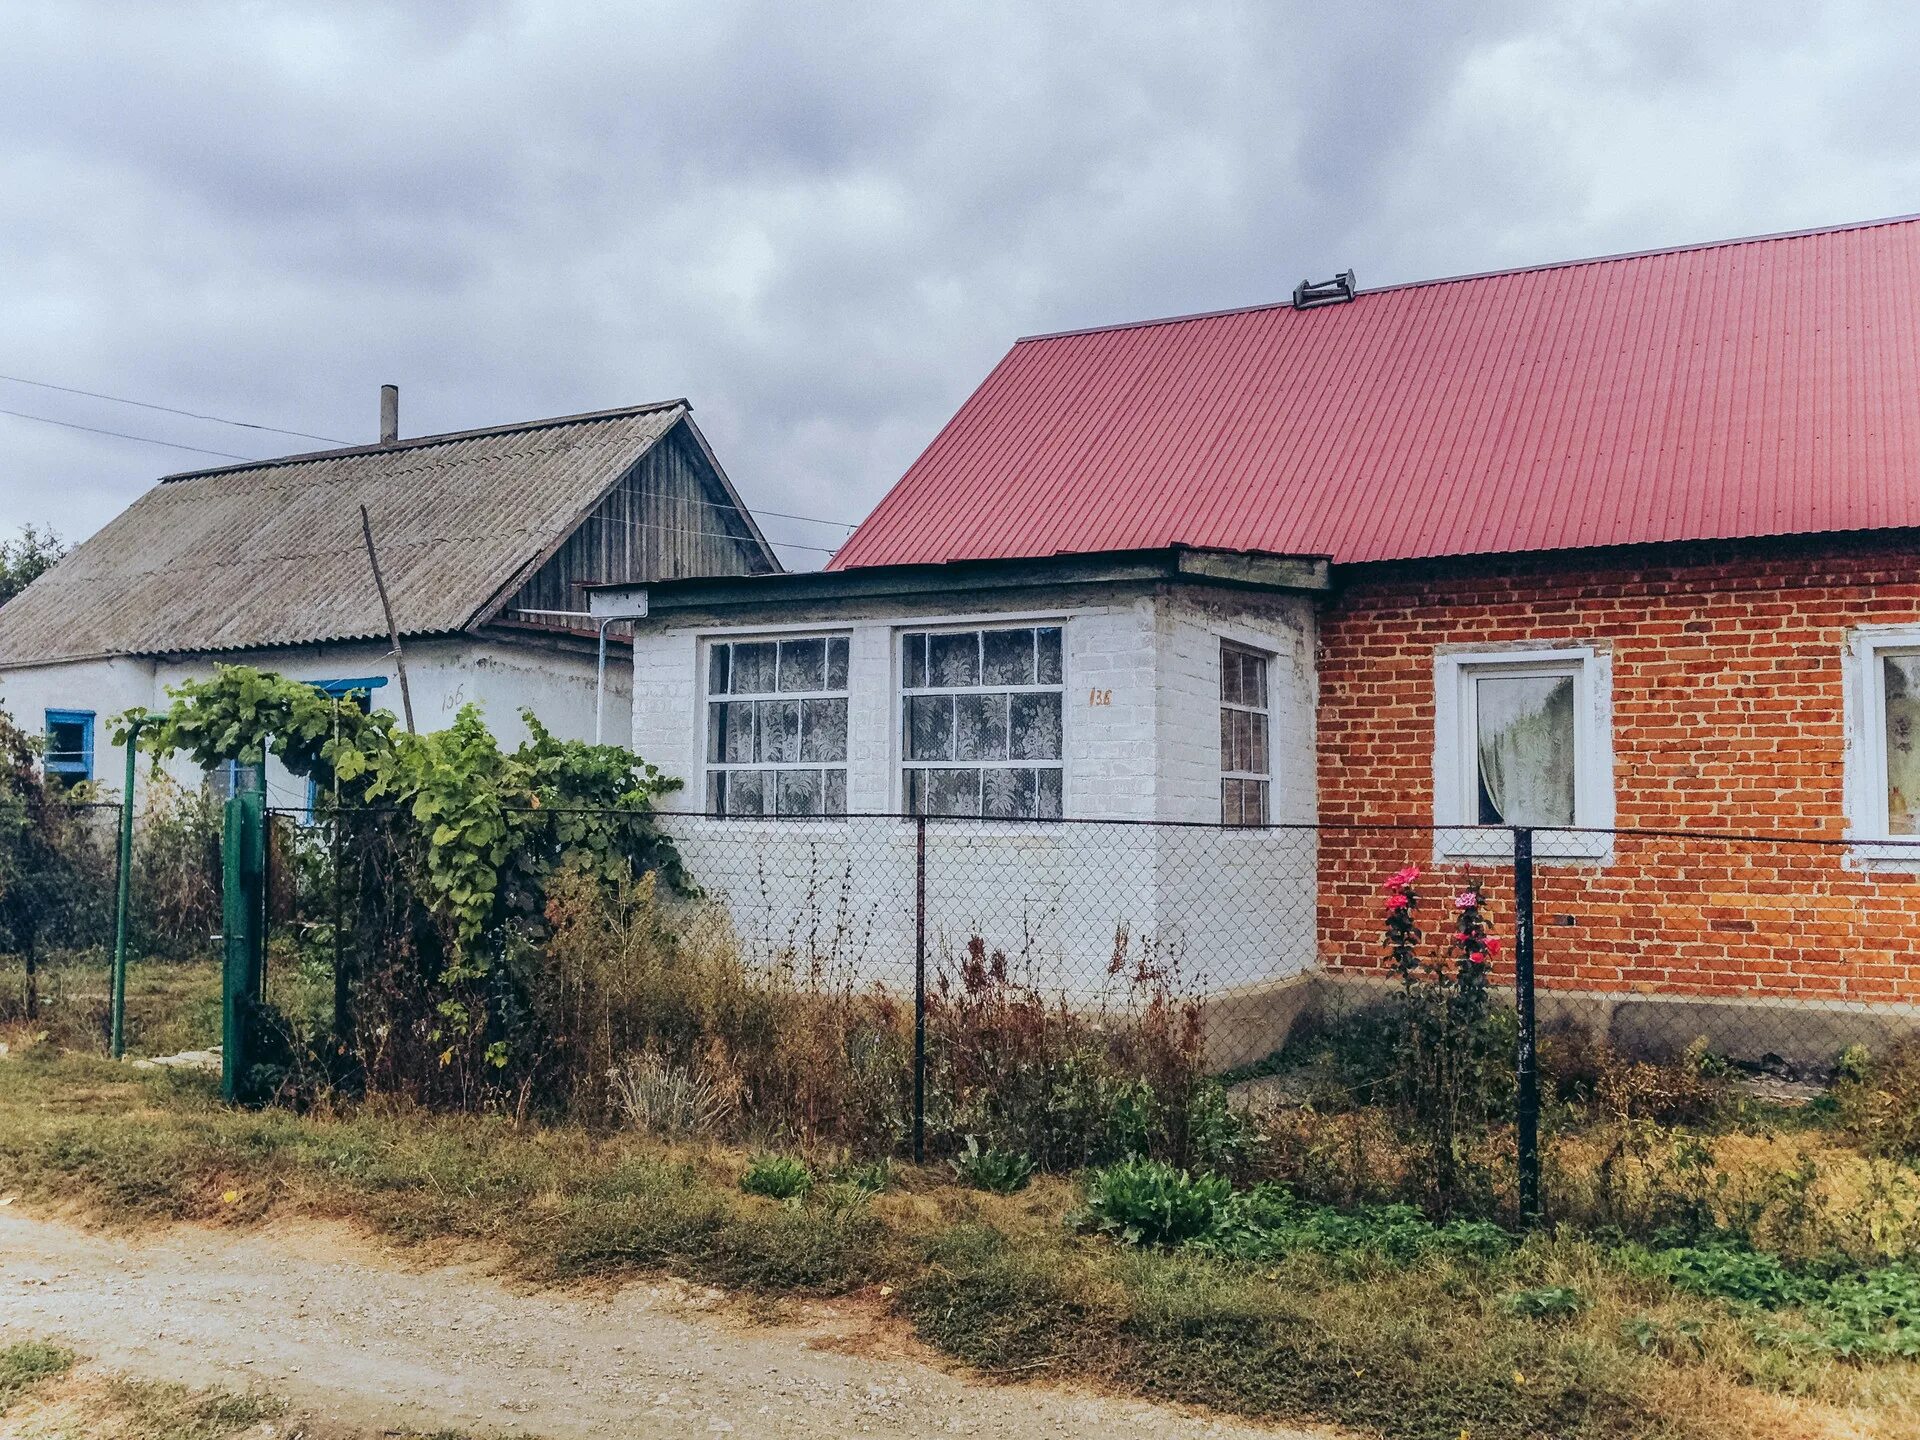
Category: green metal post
[122,898]
[242,857]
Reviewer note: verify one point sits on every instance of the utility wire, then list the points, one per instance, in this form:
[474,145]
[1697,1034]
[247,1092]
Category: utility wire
[123,435]
[171,410]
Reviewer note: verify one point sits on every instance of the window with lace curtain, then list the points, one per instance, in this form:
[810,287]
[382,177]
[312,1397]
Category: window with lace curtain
[1521,742]
[1246,772]
[981,719]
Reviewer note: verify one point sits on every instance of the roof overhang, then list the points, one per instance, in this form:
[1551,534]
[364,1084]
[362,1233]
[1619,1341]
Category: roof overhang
[1173,564]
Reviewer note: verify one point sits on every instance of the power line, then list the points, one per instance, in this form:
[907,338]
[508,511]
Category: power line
[171,410]
[123,435]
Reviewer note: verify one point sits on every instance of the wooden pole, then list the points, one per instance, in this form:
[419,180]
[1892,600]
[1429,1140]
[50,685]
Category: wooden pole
[386,608]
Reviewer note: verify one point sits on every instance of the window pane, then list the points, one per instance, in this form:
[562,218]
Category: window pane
[716,792]
[913,652]
[837,663]
[930,727]
[1232,691]
[953,660]
[1036,727]
[1048,804]
[800,792]
[66,742]
[803,665]
[745,792]
[730,732]
[953,792]
[1255,726]
[836,792]
[980,727]
[1048,646]
[1901,675]
[1009,794]
[717,669]
[823,730]
[1009,657]
[753,668]
[779,731]
[1524,730]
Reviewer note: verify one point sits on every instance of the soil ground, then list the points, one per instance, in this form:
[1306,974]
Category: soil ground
[355,1336]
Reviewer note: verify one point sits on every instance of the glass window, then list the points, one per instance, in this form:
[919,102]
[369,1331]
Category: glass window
[1900,702]
[982,722]
[68,757]
[777,726]
[1246,773]
[1523,747]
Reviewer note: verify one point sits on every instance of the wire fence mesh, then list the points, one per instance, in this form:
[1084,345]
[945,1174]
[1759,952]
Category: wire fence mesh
[893,983]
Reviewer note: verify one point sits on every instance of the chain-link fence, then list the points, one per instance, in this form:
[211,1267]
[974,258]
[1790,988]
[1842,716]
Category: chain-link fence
[1067,988]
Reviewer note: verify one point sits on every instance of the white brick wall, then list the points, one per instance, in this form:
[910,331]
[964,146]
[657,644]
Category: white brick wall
[1142,742]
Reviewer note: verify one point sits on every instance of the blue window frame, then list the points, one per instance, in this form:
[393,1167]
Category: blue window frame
[69,752]
[359,690]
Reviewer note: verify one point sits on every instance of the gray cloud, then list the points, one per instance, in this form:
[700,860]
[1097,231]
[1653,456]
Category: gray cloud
[824,224]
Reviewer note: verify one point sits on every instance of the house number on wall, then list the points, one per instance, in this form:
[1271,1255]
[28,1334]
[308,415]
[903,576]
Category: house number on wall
[1099,697]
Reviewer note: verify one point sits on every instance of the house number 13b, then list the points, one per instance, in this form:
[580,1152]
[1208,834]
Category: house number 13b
[1099,697]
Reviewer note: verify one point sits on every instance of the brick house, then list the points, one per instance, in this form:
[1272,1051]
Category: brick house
[1610,547]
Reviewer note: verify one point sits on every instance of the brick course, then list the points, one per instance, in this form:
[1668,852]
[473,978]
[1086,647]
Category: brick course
[1727,698]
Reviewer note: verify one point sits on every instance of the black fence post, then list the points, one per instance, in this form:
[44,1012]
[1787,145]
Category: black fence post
[1526,1060]
[342,1004]
[920,992]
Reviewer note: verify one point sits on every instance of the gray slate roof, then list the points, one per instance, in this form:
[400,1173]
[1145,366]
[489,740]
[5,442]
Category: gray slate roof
[271,553]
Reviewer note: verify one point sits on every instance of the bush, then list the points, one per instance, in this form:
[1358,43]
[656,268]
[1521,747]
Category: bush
[662,1098]
[1877,1098]
[1001,1171]
[779,1177]
[1149,1202]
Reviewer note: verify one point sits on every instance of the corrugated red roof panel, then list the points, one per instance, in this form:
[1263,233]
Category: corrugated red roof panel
[1754,387]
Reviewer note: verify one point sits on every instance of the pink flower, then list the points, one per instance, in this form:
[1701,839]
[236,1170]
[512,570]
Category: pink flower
[1465,900]
[1402,878]
[1397,901]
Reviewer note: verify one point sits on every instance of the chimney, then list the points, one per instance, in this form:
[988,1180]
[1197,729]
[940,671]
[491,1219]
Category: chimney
[389,414]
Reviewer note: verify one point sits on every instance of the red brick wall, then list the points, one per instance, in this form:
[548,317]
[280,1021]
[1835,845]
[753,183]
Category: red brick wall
[1727,715]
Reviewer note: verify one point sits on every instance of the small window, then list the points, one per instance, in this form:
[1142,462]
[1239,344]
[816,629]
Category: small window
[777,726]
[68,758]
[230,778]
[1246,773]
[1883,745]
[981,722]
[1522,742]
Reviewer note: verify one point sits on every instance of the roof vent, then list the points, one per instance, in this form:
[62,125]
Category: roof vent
[1311,293]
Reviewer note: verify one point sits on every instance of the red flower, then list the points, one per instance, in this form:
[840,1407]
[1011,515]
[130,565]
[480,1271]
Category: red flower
[1397,901]
[1491,944]
[1402,878]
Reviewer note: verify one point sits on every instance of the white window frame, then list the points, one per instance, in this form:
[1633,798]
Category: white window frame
[902,693]
[1864,782]
[703,656]
[1222,644]
[1457,834]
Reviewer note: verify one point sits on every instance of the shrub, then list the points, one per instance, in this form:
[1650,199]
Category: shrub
[1548,1302]
[1001,1171]
[1877,1098]
[779,1177]
[1149,1202]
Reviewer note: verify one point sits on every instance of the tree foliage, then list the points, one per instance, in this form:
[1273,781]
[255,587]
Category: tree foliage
[456,839]
[26,559]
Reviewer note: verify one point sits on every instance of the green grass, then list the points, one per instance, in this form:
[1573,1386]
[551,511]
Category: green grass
[29,1363]
[1377,1321]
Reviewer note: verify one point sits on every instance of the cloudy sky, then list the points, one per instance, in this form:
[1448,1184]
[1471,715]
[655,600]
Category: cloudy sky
[823,224]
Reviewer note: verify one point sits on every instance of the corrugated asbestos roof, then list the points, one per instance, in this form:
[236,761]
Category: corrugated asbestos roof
[1757,387]
[271,553]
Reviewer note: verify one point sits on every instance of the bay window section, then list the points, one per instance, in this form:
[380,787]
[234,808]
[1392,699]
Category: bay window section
[777,726]
[982,713]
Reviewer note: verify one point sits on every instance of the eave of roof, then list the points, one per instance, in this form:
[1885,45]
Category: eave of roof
[1165,565]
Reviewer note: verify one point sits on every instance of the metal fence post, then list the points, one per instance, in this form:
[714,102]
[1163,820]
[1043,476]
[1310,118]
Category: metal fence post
[243,864]
[122,899]
[1526,1059]
[920,992]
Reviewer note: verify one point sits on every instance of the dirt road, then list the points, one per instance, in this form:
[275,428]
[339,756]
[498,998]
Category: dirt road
[353,1336]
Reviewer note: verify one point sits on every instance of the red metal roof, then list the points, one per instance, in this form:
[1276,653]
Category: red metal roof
[1753,387]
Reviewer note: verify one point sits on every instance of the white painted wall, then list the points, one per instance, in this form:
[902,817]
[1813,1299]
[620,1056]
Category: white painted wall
[1142,742]
[444,674]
